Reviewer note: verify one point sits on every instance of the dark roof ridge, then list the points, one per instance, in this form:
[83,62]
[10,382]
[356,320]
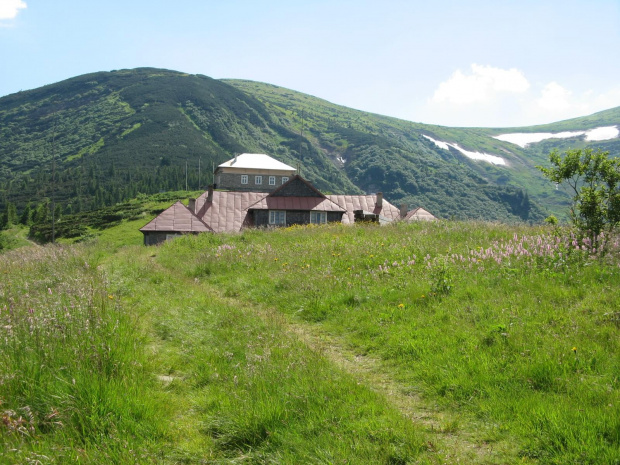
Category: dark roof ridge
[297,176]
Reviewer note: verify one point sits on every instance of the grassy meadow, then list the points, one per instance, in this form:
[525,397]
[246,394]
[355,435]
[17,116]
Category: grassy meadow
[447,342]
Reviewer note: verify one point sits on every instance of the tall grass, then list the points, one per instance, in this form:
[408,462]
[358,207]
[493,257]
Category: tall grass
[73,379]
[184,353]
[515,327]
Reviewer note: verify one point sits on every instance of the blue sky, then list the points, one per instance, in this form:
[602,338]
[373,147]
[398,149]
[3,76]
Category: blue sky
[455,63]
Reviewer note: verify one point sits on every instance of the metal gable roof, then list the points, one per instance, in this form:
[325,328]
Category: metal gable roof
[177,218]
[256,161]
[420,214]
[297,187]
[364,202]
[228,211]
[297,203]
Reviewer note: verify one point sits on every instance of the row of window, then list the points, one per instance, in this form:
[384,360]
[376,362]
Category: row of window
[279,217]
[259,179]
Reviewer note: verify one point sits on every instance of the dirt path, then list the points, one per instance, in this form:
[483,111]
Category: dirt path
[455,438]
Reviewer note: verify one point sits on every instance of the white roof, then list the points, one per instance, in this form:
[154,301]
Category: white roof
[256,161]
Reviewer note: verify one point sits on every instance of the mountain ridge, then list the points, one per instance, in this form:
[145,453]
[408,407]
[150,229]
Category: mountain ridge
[103,137]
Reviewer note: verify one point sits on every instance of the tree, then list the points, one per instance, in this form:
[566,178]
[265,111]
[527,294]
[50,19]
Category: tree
[26,216]
[42,213]
[594,180]
[9,217]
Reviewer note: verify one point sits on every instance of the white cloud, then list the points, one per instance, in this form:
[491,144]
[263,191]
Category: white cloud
[482,85]
[555,102]
[554,97]
[495,97]
[10,8]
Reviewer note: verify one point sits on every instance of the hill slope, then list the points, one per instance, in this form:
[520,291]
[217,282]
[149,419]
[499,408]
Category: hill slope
[100,138]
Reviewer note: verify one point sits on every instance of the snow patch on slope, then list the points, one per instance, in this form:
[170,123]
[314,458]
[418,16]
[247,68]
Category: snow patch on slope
[604,133]
[523,139]
[495,160]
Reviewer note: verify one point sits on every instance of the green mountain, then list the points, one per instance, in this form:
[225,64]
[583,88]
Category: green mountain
[97,139]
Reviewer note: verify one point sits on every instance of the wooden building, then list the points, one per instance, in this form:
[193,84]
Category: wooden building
[296,201]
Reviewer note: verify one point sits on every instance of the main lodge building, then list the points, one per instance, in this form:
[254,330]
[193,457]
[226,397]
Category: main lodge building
[255,190]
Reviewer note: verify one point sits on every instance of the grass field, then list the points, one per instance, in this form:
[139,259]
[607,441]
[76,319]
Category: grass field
[444,342]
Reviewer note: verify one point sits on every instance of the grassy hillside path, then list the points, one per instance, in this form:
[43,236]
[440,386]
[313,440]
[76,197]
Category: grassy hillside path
[186,314]
[456,438]
[239,386]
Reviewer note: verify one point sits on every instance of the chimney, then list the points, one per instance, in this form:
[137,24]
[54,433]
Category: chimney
[235,159]
[210,193]
[403,210]
[379,203]
[192,205]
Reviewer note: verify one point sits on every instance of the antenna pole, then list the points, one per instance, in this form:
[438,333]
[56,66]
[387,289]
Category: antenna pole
[54,179]
[301,133]
[198,172]
[185,175]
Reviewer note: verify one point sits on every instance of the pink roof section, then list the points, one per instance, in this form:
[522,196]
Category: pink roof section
[420,214]
[228,212]
[364,202]
[297,203]
[177,218]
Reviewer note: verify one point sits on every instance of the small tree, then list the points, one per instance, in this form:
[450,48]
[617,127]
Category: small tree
[594,181]
[9,217]
[26,216]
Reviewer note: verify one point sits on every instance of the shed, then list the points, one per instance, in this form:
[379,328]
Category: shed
[174,221]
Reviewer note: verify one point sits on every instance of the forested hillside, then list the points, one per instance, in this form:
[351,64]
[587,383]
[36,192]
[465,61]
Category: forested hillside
[98,139]
[101,138]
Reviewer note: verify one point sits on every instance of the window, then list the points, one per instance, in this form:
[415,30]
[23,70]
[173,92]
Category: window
[258,179]
[284,179]
[244,179]
[277,217]
[318,217]
[272,180]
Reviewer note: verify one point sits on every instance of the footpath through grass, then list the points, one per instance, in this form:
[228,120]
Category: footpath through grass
[515,329]
[243,388]
[423,343]
[125,362]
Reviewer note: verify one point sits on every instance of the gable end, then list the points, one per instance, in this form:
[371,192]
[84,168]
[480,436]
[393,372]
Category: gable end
[297,187]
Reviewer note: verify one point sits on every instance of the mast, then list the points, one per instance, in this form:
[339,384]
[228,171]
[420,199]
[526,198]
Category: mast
[301,134]
[54,179]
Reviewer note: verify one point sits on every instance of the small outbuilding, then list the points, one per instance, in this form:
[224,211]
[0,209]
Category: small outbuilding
[419,214]
[173,222]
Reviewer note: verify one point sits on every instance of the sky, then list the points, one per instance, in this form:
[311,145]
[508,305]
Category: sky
[453,63]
